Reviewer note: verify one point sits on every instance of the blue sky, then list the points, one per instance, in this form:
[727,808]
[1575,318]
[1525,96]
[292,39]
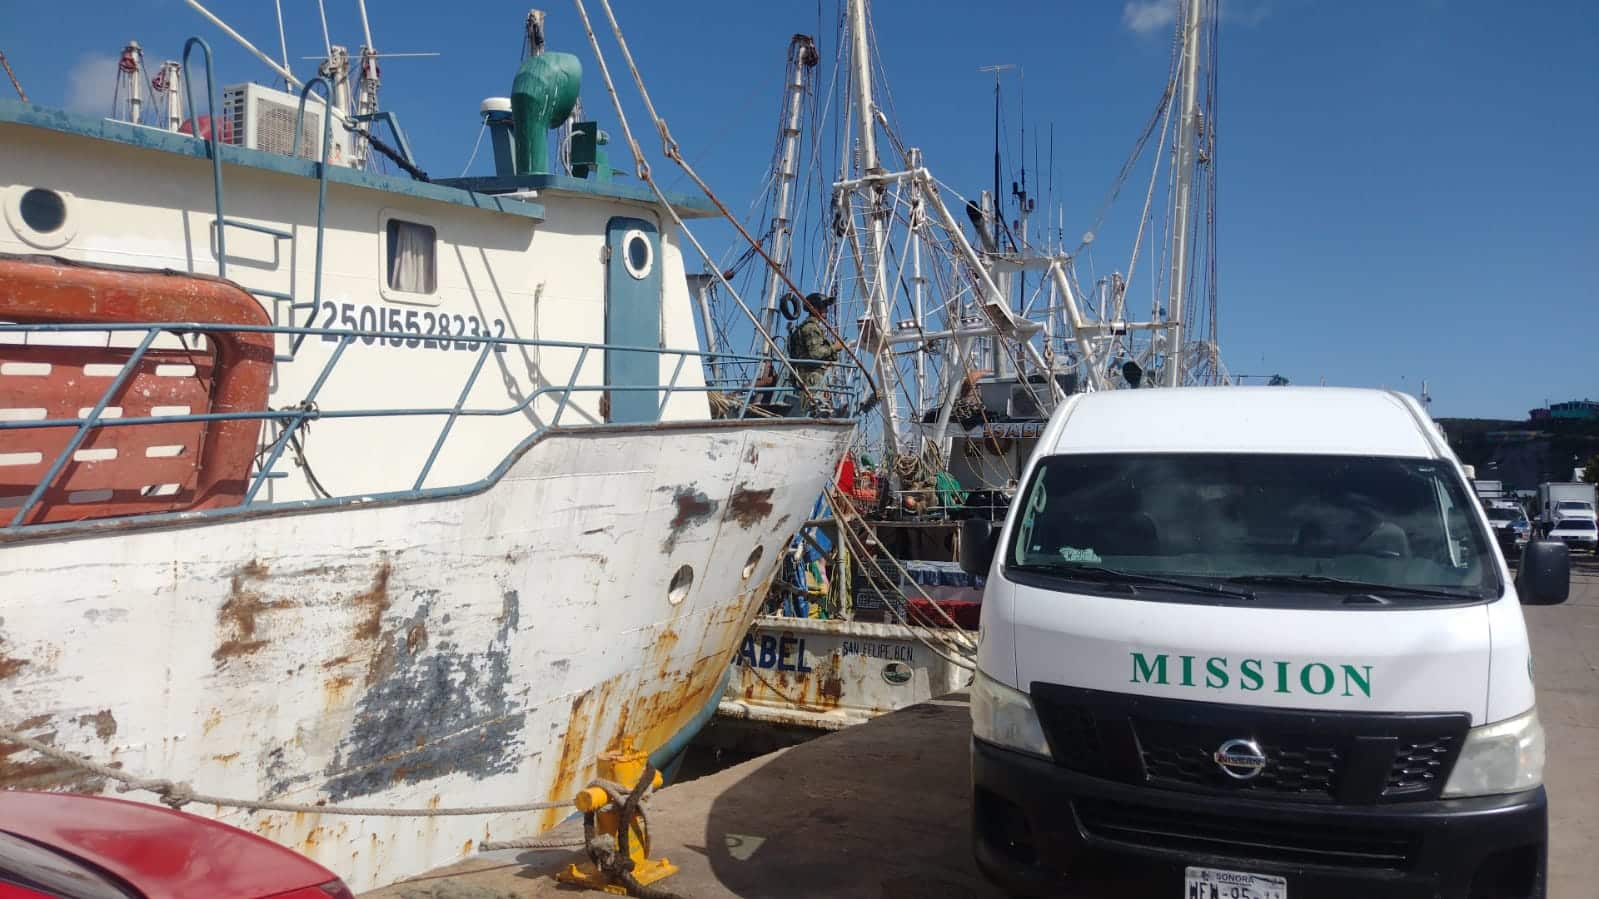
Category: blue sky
[1407,187]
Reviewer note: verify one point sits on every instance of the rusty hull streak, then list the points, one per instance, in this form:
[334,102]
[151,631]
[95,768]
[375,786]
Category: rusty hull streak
[693,508]
[238,613]
[375,600]
[10,665]
[571,758]
[818,690]
[749,507]
[105,725]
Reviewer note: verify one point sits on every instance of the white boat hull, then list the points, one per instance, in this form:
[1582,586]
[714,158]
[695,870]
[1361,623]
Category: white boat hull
[477,649]
[829,674]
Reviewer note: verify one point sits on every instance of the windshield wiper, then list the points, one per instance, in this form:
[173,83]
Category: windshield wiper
[1081,572]
[1338,584]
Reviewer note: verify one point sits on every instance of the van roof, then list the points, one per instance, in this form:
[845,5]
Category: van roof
[1321,420]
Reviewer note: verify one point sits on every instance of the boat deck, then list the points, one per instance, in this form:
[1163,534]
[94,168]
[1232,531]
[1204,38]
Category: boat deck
[882,809]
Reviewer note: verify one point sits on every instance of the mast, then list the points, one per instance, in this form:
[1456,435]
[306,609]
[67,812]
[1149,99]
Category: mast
[997,205]
[1187,133]
[130,76]
[366,90]
[918,281]
[802,56]
[876,286]
[168,86]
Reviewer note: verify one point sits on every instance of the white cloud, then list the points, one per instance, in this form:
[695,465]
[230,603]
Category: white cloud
[1149,16]
[1145,17]
[90,84]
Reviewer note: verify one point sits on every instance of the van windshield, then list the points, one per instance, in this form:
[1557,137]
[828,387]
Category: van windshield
[1278,520]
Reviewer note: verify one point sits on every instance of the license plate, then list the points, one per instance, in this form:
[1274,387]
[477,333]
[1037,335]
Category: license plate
[1214,883]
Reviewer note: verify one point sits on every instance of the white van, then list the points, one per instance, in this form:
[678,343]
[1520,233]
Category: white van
[1254,643]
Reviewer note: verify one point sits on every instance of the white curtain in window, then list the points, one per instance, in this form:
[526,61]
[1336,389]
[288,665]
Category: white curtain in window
[411,257]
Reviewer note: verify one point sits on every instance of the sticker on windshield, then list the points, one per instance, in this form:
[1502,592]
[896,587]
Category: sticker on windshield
[1073,554]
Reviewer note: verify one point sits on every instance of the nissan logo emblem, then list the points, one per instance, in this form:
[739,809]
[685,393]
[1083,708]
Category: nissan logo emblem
[1240,759]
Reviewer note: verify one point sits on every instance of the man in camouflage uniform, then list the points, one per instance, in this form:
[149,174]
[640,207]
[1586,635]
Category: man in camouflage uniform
[810,348]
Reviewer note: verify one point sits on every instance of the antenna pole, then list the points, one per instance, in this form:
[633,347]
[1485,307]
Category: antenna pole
[283,44]
[366,27]
[1187,134]
[998,206]
[228,30]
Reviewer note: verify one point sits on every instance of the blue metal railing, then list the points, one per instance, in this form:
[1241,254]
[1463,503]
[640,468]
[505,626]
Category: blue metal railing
[321,183]
[291,419]
[212,139]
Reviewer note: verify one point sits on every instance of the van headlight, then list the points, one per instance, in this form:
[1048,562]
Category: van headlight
[1499,758]
[1005,717]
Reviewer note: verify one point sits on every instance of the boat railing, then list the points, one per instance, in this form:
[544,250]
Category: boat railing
[18,424]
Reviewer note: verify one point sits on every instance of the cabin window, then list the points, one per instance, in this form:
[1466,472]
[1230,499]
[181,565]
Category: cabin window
[412,263]
[40,217]
[638,256]
[43,210]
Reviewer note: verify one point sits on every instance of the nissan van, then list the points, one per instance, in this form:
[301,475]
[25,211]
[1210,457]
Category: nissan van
[1255,643]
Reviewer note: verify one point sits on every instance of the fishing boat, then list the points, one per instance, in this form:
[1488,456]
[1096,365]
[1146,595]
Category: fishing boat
[326,485]
[975,324]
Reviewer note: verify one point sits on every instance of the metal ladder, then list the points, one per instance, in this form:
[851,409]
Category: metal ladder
[221,222]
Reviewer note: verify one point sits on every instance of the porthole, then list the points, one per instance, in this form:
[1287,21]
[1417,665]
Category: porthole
[677,590]
[43,210]
[638,254]
[753,562]
[41,217]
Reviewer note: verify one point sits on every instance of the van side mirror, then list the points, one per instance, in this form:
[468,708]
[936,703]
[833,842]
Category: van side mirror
[1545,574]
[978,536]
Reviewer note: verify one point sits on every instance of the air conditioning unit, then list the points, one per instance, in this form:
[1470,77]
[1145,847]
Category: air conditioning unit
[263,119]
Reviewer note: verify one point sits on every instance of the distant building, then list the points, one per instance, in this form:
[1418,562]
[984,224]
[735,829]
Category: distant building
[1571,410]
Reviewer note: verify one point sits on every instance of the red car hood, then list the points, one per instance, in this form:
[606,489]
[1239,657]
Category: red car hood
[163,853]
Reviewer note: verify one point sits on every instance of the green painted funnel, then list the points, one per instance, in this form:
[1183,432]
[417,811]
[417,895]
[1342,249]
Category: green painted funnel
[542,97]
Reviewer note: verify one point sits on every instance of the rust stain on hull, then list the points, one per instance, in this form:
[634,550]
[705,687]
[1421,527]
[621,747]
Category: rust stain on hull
[693,508]
[749,507]
[375,601]
[571,758]
[105,725]
[10,665]
[820,689]
[237,615]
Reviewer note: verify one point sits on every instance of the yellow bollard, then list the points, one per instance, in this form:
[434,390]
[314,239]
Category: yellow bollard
[624,767]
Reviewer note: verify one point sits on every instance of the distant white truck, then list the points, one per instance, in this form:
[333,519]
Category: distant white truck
[1489,489]
[1564,500]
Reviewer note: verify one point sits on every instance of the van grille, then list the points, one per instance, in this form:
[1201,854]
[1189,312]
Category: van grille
[1310,756]
[1419,767]
[1240,837]
[1184,754]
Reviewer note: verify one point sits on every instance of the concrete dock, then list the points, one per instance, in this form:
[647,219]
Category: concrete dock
[882,809]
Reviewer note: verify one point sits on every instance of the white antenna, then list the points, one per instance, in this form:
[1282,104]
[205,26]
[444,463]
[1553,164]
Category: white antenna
[228,30]
[327,42]
[366,27]
[283,44]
